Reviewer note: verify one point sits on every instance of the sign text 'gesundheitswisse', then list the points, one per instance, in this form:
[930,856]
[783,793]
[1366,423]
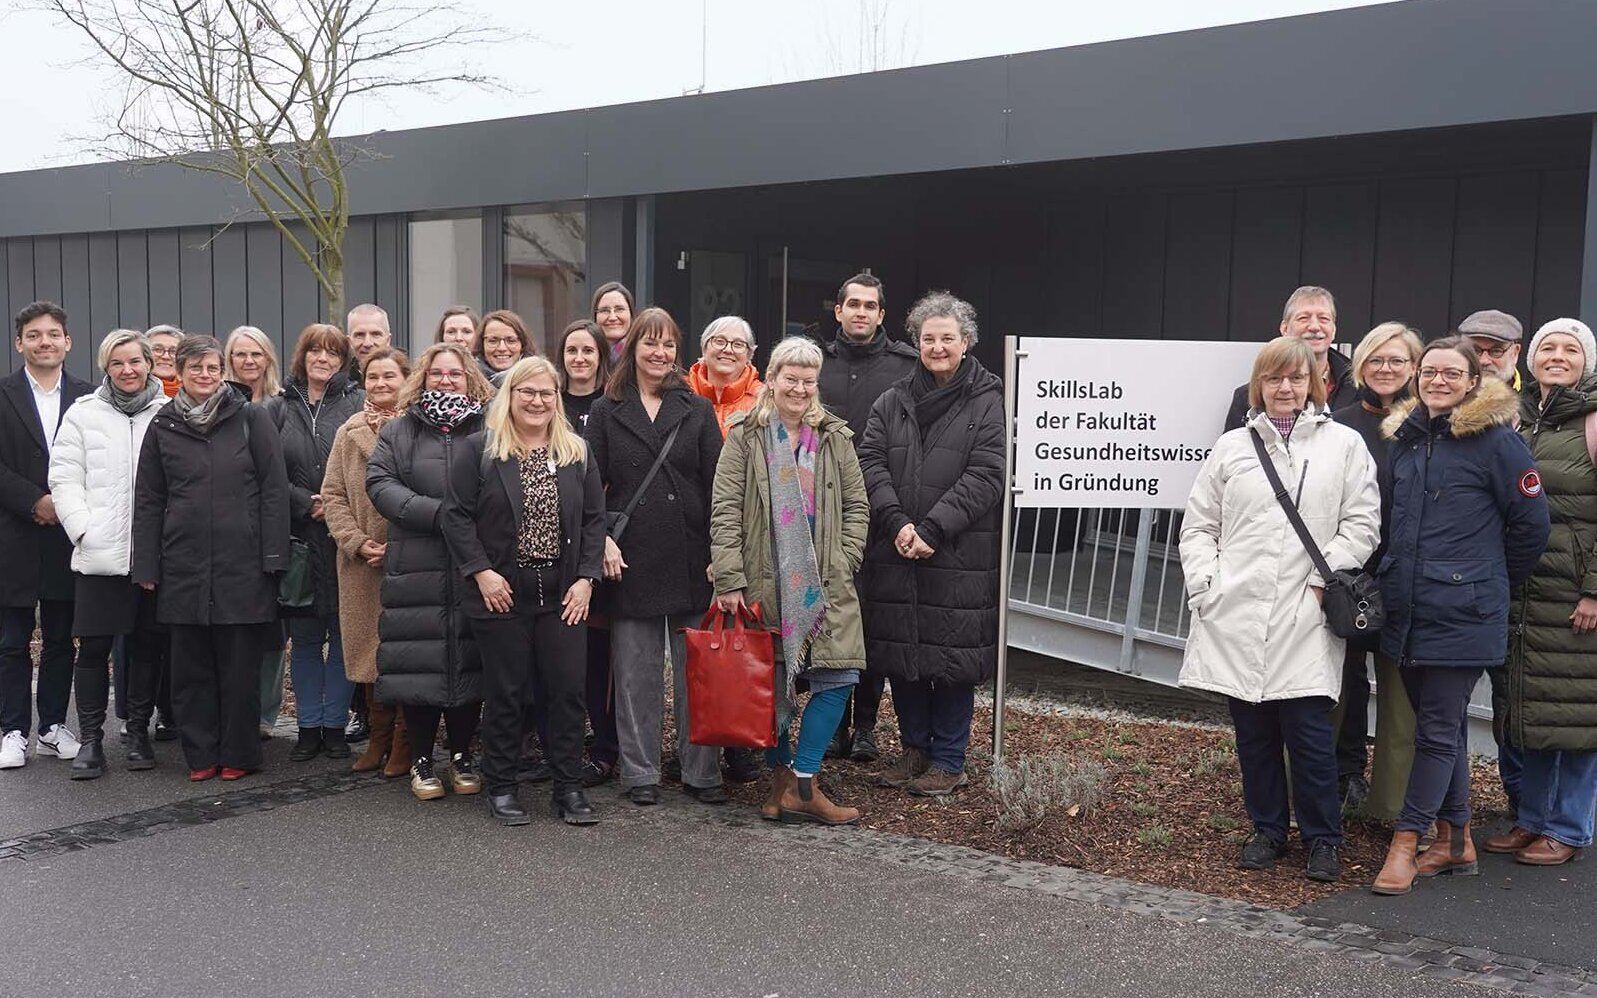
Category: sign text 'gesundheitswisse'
[1120,423]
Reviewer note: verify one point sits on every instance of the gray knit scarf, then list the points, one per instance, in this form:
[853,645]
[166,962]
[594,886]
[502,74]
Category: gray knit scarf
[200,415]
[131,403]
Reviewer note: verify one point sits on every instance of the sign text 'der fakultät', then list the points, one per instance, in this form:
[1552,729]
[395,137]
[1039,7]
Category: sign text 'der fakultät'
[1128,427]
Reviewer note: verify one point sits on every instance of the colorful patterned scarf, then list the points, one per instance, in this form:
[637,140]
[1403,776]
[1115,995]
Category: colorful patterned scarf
[800,597]
[376,415]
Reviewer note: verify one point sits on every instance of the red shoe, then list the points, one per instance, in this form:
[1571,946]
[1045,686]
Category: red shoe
[230,774]
[201,775]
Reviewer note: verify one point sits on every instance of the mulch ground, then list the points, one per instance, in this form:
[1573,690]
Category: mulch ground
[1172,813]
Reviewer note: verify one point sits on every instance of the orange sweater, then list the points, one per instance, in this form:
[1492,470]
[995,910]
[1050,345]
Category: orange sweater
[737,397]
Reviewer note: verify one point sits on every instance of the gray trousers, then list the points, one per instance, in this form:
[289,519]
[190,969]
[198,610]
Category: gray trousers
[637,656]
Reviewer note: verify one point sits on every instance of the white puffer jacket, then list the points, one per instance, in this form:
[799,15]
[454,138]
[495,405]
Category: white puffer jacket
[92,466]
[1258,632]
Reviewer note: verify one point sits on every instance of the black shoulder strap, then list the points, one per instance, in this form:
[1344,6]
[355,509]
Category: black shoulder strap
[1285,499]
[654,469]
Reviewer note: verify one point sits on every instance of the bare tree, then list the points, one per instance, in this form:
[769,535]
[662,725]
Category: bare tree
[251,90]
[864,36]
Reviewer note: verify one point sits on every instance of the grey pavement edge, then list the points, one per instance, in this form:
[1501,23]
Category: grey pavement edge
[371,892]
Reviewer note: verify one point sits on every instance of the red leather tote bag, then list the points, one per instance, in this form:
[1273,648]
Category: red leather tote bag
[731,682]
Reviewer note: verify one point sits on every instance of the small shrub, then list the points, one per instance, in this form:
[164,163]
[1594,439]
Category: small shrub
[1143,809]
[1038,786]
[1155,837]
[1211,762]
[1126,738]
[1141,768]
[1222,823]
[1112,754]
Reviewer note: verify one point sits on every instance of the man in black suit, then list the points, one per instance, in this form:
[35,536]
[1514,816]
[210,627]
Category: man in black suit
[38,575]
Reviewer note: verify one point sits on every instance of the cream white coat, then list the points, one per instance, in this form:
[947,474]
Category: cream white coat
[1258,632]
[92,464]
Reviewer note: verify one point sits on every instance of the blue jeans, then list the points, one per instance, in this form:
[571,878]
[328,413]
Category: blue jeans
[321,690]
[935,718]
[1267,734]
[1438,783]
[1558,796]
[816,728]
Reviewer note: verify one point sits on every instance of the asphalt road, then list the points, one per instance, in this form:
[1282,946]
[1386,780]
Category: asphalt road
[369,892]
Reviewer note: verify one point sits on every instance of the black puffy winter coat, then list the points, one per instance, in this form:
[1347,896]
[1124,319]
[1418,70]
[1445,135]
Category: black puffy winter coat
[307,432]
[667,542]
[855,375]
[426,655]
[935,618]
[210,516]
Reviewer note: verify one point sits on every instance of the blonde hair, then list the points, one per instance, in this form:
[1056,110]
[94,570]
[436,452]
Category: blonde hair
[1284,355]
[119,338]
[504,442]
[271,384]
[477,387]
[794,351]
[1379,337]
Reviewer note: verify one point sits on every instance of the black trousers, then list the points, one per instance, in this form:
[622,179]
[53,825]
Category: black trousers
[460,726]
[601,701]
[216,693]
[16,665]
[136,695]
[1302,727]
[864,706]
[531,652]
[1352,737]
[163,675]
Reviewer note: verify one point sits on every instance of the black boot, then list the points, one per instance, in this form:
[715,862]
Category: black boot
[89,763]
[507,810]
[309,745]
[334,743]
[572,807]
[141,752]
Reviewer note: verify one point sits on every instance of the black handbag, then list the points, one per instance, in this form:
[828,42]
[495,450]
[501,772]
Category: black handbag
[1352,601]
[616,523]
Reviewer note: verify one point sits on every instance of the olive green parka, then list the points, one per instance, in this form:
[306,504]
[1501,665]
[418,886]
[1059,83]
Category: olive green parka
[1552,671]
[741,546]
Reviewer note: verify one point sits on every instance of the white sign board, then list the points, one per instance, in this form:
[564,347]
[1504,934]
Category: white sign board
[1120,423]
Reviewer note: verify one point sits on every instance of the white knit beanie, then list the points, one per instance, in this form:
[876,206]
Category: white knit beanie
[1570,327]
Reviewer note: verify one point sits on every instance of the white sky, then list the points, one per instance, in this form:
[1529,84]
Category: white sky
[591,53]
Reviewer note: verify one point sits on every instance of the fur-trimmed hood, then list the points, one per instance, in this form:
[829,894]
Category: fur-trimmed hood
[1494,404]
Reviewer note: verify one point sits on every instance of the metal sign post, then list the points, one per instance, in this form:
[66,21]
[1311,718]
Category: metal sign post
[1012,355]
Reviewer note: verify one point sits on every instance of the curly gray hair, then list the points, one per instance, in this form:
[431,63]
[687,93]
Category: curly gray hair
[942,305]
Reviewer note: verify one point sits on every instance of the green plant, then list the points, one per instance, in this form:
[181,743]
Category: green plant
[1143,809]
[1155,837]
[1112,754]
[1126,738]
[1040,785]
[1141,768]
[1210,762]
[1222,823]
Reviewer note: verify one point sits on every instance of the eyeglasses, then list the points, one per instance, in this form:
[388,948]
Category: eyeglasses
[163,351]
[1451,375]
[789,382]
[438,375]
[499,341]
[863,306]
[613,310]
[726,343]
[543,394]
[212,369]
[1495,349]
[1295,380]
[1388,363]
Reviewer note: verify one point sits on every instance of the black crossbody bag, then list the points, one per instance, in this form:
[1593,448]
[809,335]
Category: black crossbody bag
[616,523]
[1352,602]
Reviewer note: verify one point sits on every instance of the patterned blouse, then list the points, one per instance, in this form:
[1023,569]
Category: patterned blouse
[540,529]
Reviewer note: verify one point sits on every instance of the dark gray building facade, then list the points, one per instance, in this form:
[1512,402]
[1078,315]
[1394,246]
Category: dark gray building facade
[1422,159]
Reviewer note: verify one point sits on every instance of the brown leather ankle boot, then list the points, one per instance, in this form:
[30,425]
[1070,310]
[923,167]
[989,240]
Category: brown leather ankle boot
[381,718]
[1453,853]
[781,782]
[399,759]
[803,800]
[1398,872]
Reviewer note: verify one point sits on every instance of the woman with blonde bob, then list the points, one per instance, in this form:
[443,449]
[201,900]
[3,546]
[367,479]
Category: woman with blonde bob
[251,361]
[1258,635]
[788,519]
[1384,363]
[525,524]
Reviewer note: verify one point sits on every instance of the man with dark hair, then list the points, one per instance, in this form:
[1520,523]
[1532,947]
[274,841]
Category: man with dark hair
[862,362]
[38,576]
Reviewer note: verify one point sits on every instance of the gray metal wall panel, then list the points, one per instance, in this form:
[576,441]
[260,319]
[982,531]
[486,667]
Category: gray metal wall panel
[1339,240]
[1267,246]
[302,297]
[166,300]
[104,294]
[1133,298]
[63,199]
[264,281]
[360,262]
[47,268]
[229,280]
[19,272]
[195,280]
[1559,237]
[607,247]
[1494,244]
[1414,253]
[387,261]
[5,297]
[1197,259]
[133,280]
[75,284]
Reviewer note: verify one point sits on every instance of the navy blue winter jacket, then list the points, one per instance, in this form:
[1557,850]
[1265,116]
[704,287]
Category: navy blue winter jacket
[1467,520]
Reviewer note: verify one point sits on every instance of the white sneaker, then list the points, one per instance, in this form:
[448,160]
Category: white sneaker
[13,750]
[59,742]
